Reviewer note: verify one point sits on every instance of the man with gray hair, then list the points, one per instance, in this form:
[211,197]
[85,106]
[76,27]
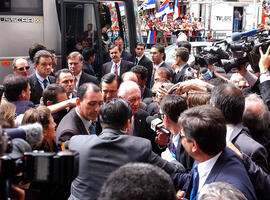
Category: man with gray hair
[221,191]
[41,78]
[131,93]
[256,118]
[75,63]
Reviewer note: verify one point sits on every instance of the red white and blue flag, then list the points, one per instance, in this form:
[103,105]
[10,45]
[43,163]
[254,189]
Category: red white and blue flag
[151,37]
[164,9]
[176,14]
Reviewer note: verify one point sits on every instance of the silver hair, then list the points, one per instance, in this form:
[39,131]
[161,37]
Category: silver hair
[221,191]
[256,120]
[125,86]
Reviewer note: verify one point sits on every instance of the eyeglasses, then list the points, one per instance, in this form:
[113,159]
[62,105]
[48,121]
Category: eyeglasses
[23,68]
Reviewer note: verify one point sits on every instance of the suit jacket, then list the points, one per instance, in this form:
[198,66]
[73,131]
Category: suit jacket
[228,168]
[101,155]
[142,129]
[181,155]
[152,108]
[146,62]
[127,56]
[125,66]
[69,126]
[146,93]
[36,89]
[86,78]
[180,76]
[241,139]
[87,68]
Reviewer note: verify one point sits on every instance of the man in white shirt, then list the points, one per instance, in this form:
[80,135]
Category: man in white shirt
[203,132]
[117,66]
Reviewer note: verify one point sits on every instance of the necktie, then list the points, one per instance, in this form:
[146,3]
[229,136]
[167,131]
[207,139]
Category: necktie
[136,61]
[173,150]
[115,70]
[92,129]
[75,83]
[45,83]
[195,183]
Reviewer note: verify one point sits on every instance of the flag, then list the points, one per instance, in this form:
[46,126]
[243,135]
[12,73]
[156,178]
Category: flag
[148,4]
[164,9]
[151,37]
[176,14]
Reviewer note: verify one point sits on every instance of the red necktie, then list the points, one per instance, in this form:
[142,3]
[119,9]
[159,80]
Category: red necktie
[115,70]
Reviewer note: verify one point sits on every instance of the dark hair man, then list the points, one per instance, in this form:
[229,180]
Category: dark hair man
[141,73]
[81,119]
[114,147]
[231,101]
[41,78]
[142,60]
[109,86]
[32,51]
[140,182]
[75,62]
[171,107]
[163,72]
[181,58]
[88,59]
[117,66]
[158,58]
[124,54]
[187,45]
[17,91]
[20,66]
[55,94]
[65,78]
[203,132]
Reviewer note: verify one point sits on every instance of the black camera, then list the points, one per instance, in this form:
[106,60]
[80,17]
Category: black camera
[18,163]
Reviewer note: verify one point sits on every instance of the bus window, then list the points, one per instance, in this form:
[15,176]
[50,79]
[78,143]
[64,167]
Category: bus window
[21,7]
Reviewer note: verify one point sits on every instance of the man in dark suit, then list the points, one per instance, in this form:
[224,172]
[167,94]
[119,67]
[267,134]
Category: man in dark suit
[181,58]
[88,59]
[158,58]
[75,62]
[141,73]
[81,120]
[203,132]
[114,147]
[171,107]
[124,54]
[231,101]
[141,59]
[65,78]
[41,78]
[131,92]
[117,66]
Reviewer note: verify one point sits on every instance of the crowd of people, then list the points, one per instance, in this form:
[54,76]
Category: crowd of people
[218,142]
[187,28]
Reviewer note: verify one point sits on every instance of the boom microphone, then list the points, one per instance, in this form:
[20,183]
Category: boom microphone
[154,124]
[32,133]
[237,36]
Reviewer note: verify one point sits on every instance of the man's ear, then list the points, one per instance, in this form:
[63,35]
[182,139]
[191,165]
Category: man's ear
[35,66]
[195,146]
[78,101]
[22,95]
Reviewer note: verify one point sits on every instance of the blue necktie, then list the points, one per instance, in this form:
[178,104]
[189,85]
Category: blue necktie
[45,83]
[92,129]
[195,183]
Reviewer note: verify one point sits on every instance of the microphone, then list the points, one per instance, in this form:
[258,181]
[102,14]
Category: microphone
[237,36]
[19,147]
[32,133]
[154,124]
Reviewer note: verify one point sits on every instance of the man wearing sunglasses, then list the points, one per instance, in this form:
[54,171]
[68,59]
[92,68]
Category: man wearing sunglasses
[21,66]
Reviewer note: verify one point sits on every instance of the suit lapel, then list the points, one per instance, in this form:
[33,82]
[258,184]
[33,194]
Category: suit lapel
[237,129]
[122,68]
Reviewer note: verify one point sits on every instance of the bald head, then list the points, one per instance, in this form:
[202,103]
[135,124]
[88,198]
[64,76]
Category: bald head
[129,76]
